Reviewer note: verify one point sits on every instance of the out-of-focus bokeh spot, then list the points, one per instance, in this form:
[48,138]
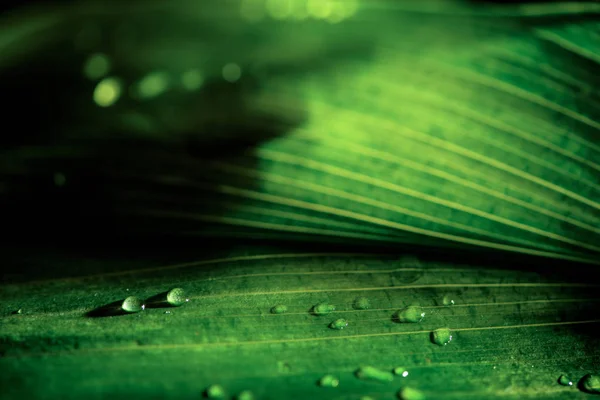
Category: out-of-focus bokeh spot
[333,11]
[152,85]
[96,66]
[107,92]
[232,72]
[192,79]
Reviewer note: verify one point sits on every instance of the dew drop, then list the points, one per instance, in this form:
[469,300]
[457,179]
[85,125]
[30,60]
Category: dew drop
[410,314]
[339,324]
[323,309]
[215,392]
[590,383]
[279,309]
[565,381]
[245,395]
[133,304]
[176,297]
[361,303]
[374,374]
[408,393]
[441,336]
[167,312]
[329,381]
[400,371]
[447,301]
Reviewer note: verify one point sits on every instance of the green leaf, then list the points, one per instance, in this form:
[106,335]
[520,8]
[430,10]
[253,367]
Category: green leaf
[441,156]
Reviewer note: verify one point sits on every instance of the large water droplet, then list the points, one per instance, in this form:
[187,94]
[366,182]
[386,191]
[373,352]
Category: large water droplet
[245,395]
[339,324]
[374,374]
[410,314]
[133,304]
[590,383]
[176,297]
[441,336]
[329,381]
[361,303]
[215,392]
[410,394]
[565,381]
[279,309]
[323,309]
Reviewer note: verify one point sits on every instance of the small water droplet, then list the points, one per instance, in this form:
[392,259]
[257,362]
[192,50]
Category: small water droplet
[400,371]
[215,392]
[447,301]
[441,336]
[410,314]
[167,312]
[279,309]
[565,381]
[176,297]
[590,383]
[323,309]
[408,393]
[339,324]
[374,374]
[329,381]
[133,304]
[361,303]
[245,395]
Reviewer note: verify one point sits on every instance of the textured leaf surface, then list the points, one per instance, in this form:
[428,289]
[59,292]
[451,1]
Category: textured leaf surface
[462,133]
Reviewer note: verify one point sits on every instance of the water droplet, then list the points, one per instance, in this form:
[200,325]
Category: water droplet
[374,374]
[590,383]
[441,336]
[133,304]
[323,309]
[245,395]
[400,371]
[565,381]
[361,303]
[96,66]
[107,92]
[215,392]
[339,324]
[167,312]
[279,309]
[410,394]
[329,381]
[447,301]
[410,314]
[232,72]
[176,297]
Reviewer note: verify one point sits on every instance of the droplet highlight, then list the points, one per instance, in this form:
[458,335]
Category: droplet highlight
[133,304]
[374,374]
[338,324]
[361,303]
[400,372]
[176,297]
[408,393]
[323,309]
[215,392]
[329,381]
[410,314]
[279,309]
[590,383]
[441,336]
[565,381]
